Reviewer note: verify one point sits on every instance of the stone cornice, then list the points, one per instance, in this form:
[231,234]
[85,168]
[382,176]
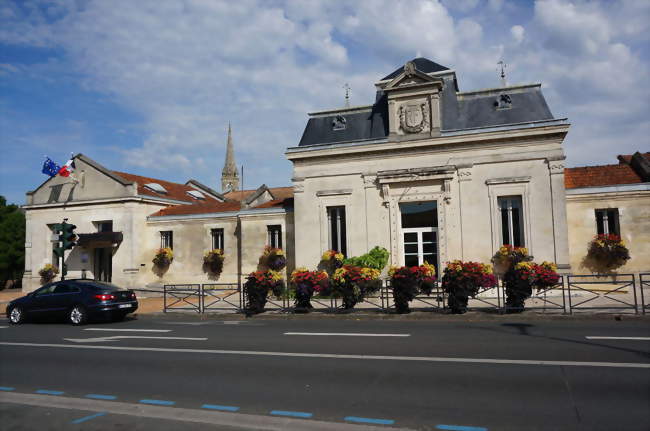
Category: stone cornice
[301,153]
[137,199]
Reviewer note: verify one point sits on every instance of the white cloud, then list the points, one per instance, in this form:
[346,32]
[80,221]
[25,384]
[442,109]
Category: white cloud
[517,33]
[187,68]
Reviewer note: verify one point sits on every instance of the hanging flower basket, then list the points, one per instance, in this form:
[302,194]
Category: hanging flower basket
[304,283]
[608,252]
[353,284]
[47,273]
[257,287]
[408,282]
[461,280]
[163,257]
[274,258]
[213,261]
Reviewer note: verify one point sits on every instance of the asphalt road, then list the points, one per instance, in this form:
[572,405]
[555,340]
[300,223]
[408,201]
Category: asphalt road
[186,373]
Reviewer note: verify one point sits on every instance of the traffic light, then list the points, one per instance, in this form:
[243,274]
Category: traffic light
[68,236]
[56,240]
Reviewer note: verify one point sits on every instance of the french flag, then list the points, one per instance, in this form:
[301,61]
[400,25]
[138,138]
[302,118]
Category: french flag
[67,169]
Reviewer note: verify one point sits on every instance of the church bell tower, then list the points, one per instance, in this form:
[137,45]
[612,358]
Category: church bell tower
[229,175]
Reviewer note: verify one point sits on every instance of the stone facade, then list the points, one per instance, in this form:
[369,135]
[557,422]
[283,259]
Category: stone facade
[464,172]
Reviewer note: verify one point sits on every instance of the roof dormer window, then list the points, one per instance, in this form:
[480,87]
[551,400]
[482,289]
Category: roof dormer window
[196,194]
[339,123]
[503,101]
[155,187]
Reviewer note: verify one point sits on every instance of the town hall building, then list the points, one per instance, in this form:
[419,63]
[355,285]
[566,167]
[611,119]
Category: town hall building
[426,171]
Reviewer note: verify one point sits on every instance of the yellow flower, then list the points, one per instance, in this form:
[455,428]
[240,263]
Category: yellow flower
[338,256]
[392,270]
[370,273]
[275,275]
[487,268]
[429,269]
[339,274]
[549,265]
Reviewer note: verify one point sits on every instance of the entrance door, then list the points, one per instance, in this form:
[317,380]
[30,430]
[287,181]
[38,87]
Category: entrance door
[103,264]
[420,245]
[419,233]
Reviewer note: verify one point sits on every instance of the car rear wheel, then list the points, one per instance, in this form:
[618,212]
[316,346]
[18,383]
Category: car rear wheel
[16,315]
[78,315]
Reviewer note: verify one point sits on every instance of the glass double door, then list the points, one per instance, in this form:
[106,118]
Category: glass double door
[419,222]
[420,245]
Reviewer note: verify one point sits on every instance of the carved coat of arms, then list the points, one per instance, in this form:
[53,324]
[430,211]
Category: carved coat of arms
[414,118]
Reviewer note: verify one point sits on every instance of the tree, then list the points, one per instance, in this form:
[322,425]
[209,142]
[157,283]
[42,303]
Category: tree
[12,242]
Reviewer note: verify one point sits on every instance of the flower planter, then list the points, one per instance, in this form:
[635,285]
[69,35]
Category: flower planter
[404,291]
[407,282]
[257,287]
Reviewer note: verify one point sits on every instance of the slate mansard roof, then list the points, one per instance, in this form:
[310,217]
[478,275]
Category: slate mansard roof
[459,110]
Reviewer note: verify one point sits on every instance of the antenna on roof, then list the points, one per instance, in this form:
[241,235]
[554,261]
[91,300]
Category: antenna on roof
[347,94]
[503,72]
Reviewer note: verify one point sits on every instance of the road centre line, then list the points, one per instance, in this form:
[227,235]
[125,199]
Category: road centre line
[87,418]
[594,337]
[459,428]
[127,330]
[338,356]
[347,334]
[212,417]
[119,337]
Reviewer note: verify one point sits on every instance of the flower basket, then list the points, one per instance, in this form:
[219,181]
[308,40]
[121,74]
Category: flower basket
[163,257]
[257,287]
[213,261]
[508,256]
[407,282]
[332,260]
[607,252]
[461,280]
[304,283]
[353,284]
[47,273]
[274,258]
[520,280]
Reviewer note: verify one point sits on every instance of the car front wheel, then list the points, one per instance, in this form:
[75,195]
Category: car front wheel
[16,315]
[78,315]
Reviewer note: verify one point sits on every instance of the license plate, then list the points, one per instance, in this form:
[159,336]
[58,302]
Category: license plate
[124,306]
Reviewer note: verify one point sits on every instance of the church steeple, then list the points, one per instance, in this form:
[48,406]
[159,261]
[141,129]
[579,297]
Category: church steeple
[229,175]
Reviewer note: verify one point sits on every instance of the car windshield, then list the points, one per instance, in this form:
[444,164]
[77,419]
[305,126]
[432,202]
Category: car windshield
[100,285]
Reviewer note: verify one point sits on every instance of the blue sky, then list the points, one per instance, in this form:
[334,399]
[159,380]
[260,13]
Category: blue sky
[149,87]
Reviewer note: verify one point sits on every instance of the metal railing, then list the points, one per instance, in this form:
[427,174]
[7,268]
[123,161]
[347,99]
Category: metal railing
[182,297]
[585,292]
[610,294]
[221,296]
[644,283]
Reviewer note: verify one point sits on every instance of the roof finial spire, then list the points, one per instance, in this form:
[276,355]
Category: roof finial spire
[503,72]
[347,94]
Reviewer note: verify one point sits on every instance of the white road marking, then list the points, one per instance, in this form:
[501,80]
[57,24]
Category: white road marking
[2,327]
[180,414]
[336,356]
[119,337]
[594,337]
[127,330]
[346,334]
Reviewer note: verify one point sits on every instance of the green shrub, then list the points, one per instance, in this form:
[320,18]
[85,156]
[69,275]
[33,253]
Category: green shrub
[377,258]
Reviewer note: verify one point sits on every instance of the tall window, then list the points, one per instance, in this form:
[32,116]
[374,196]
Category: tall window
[336,229]
[167,239]
[512,220]
[217,239]
[274,235]
[607,221]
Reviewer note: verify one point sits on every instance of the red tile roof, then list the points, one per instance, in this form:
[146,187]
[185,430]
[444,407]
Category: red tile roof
[175,191]
[605,175]
[283,195]
[199,208]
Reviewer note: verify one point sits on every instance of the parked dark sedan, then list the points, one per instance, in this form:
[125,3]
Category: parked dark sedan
[75,300]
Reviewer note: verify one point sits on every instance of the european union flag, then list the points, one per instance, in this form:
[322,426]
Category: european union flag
[50,168]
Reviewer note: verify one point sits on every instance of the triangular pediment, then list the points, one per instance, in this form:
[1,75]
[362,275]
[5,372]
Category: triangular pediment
[412,77]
